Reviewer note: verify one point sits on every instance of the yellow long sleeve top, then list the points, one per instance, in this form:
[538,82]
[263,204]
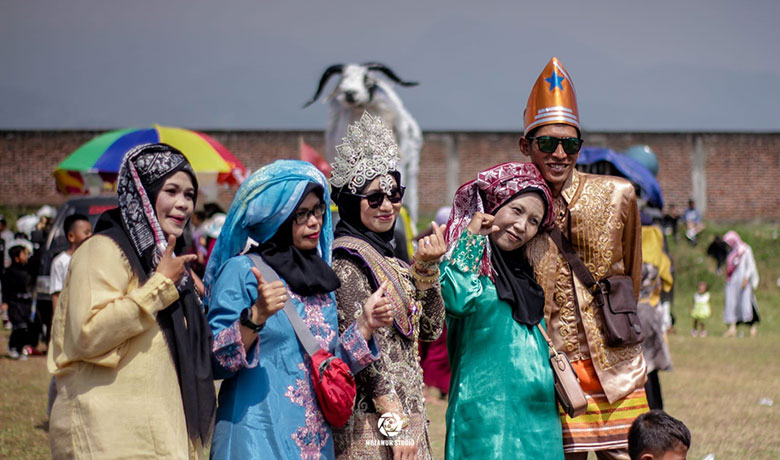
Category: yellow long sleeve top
[118,392]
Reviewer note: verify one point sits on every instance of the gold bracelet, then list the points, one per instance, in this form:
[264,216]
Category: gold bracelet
[425,278]
[425,266]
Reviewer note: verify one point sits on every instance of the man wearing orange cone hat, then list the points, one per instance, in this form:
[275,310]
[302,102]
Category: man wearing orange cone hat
[599,217]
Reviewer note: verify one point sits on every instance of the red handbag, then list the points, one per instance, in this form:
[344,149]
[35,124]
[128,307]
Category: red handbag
[333,382]
[334,386]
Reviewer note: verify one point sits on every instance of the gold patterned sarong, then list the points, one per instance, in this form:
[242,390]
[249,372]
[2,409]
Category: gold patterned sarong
[605,425]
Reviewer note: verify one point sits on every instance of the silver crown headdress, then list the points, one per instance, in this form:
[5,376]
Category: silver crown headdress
[369,150]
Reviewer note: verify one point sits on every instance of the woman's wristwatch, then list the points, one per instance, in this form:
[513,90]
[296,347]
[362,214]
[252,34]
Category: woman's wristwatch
[246,320]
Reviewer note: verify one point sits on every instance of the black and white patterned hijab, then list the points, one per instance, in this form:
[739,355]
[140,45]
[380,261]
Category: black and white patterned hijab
[136,230]
[141,176]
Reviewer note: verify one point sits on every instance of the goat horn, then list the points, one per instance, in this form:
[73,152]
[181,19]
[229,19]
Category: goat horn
[390,74]
[337,68]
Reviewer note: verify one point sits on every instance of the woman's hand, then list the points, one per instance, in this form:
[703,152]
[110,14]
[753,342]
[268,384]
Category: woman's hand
[482,224]
[172,266]
[199,286]
[389,403]
[271,298]
[377,312]
[401,452]
[432,247]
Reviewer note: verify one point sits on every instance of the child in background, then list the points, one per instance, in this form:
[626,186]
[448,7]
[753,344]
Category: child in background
[701,310]
[5,237]
[16,293]
[656,435]
[77,229]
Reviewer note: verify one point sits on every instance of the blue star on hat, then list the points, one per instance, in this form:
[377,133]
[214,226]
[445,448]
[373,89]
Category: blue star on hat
[555,80]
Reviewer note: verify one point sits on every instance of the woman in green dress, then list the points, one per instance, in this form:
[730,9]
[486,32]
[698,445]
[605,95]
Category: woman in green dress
[502,398]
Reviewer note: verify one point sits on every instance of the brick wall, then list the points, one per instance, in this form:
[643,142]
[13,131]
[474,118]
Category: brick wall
[733,176]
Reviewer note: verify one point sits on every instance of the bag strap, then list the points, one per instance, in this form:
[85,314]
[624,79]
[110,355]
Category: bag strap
[302,331]
[577,266]
[553,351]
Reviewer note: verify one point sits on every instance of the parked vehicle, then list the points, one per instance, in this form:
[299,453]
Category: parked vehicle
[57,241]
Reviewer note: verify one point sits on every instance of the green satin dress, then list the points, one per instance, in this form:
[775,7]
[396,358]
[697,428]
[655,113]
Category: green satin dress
[502,398]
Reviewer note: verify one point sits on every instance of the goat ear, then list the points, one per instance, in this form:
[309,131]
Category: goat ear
[390,74]
[337,68]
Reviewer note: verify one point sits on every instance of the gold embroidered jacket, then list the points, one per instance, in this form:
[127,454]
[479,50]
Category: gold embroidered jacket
[606,233]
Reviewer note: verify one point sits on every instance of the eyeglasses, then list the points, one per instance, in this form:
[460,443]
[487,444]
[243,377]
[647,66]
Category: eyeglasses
[548,144]
[301,217]
[376,199]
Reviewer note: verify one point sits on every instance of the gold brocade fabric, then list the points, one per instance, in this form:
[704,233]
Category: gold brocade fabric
[394,382]
[606,234]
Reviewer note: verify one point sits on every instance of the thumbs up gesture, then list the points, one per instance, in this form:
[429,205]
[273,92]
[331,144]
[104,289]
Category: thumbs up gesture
[172,266]
[271,298]
[377,312]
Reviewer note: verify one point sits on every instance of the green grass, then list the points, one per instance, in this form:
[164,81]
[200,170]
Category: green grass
[715,386]
[692,265]
[24,388]
[717,382]
[715,389]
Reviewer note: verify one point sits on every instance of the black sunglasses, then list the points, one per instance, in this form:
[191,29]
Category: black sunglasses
[548,144]
[376,199]
[301,217]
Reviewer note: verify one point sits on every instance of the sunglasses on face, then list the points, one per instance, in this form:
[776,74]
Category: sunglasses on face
[375,199]
[301,217]
[548,144]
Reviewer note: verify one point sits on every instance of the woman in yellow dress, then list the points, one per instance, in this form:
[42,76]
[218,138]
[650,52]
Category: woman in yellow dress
[130,347]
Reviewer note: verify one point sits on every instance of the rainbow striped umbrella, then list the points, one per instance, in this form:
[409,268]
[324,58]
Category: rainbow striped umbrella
[94,166]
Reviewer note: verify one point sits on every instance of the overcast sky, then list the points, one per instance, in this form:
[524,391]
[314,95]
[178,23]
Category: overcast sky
[679,65]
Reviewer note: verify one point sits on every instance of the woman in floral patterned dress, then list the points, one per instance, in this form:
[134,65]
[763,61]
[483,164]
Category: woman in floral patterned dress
[267,406]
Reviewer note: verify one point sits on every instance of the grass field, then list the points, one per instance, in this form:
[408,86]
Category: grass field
[715,388]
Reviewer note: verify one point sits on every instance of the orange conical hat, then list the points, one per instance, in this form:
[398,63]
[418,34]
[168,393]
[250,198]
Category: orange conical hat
[552,99]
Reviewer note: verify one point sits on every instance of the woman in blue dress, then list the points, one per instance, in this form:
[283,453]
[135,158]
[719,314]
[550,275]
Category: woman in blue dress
[267,405]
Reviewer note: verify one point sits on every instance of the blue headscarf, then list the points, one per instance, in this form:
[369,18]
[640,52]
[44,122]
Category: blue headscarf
[264,202]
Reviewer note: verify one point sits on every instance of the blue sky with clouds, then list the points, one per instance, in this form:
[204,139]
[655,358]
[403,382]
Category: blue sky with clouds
[665,65]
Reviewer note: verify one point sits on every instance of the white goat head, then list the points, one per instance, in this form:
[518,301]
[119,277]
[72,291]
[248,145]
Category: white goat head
[356,86]
[360,91]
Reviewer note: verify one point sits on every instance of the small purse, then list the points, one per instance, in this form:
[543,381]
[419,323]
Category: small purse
[568,391]
[333,382]
[614,295]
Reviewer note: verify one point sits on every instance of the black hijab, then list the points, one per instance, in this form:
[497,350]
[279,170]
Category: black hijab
[514,280]
[304,271]
[350,223]
[187,333]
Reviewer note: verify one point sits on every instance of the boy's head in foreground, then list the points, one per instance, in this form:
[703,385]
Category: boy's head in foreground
[656,435]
